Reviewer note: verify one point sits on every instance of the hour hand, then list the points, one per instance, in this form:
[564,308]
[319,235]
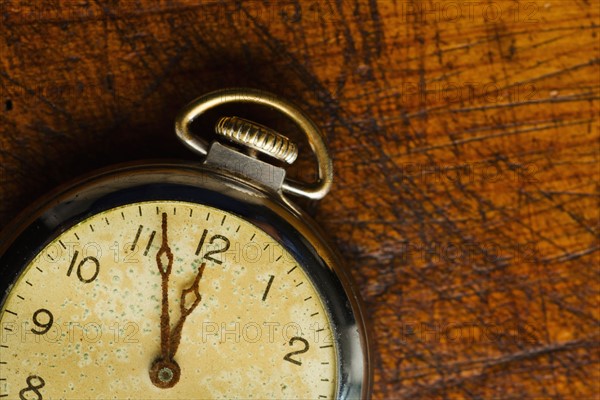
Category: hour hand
[186,310]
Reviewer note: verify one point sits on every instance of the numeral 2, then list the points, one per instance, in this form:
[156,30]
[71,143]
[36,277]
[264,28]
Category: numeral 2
[288,356]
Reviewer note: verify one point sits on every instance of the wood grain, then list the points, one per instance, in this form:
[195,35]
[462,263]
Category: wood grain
[466,146]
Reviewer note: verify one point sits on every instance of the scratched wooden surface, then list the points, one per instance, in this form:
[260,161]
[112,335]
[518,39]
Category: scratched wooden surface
[466,145]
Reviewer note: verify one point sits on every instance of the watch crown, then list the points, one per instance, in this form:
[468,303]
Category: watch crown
[257,137]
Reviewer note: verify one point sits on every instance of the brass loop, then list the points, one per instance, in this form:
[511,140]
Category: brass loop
[314,190]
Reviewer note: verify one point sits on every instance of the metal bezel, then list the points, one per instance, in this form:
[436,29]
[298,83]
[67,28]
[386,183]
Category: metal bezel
[126,184]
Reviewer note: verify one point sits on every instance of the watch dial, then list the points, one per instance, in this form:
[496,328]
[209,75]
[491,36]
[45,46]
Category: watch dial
[169,300]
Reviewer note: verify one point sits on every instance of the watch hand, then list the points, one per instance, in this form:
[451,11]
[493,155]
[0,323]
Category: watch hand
[165,272]
[185,311]
[164,372]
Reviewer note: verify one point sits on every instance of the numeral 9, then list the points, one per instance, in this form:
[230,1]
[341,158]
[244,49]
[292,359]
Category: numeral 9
[45,326]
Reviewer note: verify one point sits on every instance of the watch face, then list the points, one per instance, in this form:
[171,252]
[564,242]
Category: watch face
[169,300]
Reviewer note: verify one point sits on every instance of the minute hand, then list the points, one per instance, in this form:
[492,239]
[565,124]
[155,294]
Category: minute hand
[165,272]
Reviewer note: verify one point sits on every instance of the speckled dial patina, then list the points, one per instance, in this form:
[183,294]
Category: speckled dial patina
[83,321]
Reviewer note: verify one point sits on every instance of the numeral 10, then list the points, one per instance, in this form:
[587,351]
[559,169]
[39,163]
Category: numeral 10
[93,267]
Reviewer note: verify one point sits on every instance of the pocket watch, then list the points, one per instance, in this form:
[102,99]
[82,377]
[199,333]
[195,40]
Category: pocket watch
[184,280]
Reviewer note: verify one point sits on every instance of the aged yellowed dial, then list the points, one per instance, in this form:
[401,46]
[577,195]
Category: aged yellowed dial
[165,300]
